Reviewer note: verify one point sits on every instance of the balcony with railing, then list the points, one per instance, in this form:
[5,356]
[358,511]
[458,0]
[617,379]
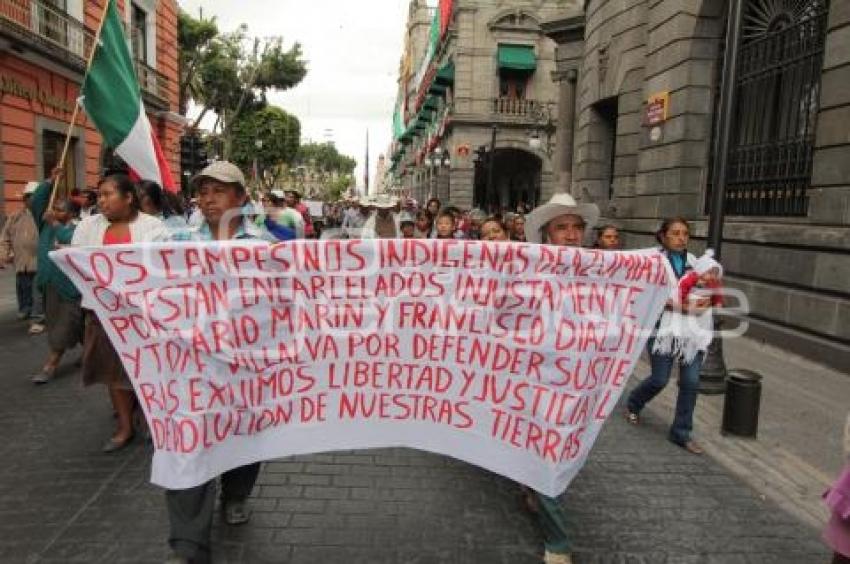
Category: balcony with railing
[42,27]
[519,109]
[152,82]
[46,28]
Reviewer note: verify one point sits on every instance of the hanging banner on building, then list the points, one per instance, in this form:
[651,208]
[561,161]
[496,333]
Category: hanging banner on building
[508,356]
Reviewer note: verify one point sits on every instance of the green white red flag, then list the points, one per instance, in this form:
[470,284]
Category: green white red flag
[112,99]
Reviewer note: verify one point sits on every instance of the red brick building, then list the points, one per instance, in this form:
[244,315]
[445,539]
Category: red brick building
[43,48]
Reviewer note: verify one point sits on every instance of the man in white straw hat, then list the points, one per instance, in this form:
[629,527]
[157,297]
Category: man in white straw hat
[383,223]
[561,221]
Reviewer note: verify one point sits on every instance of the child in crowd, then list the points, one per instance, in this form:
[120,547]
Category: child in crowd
[446,225]
[685,336]
[703,282]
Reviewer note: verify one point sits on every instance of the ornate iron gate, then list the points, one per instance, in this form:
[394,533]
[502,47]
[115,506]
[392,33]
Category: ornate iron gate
[777,94]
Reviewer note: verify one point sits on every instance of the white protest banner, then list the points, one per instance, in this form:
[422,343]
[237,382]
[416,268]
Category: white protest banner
[506,355]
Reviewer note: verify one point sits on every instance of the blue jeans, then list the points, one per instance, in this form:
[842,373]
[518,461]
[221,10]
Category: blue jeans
[662,366]
[552,521]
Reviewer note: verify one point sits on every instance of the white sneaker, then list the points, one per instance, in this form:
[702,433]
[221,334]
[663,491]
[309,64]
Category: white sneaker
[37,329]
[556,558]
[41,378]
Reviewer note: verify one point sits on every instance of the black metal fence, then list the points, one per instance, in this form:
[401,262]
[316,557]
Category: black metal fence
[777,95]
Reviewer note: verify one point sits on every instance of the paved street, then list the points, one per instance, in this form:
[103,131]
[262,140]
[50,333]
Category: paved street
[638,500]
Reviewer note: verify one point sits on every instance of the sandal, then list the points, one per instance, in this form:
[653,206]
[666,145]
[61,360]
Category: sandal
[235,513]
[44,376]
[114,445]
[632,418]
[692,447]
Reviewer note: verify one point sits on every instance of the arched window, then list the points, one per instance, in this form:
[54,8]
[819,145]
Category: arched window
[777,91]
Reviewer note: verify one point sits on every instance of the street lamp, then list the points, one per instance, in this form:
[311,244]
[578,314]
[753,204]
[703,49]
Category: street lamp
[712,374]
[542,116]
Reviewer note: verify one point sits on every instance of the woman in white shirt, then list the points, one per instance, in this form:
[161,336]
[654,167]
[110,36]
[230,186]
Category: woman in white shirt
[120,222]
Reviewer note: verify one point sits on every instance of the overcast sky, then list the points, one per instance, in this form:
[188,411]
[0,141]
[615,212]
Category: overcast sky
[352,51]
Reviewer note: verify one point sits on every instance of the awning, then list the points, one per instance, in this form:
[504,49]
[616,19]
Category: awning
[437,90]
[446,74]
[517,57]
[431,103]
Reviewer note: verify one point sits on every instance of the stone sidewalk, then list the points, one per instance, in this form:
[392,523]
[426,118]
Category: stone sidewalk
[639,499]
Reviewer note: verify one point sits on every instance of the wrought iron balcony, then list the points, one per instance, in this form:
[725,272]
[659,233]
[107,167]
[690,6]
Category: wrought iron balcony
[42,27]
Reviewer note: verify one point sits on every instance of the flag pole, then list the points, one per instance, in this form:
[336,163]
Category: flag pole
[77,104]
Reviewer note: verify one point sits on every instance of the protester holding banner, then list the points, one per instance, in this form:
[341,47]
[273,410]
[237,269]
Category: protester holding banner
[678,321]
[120,222]
[63,316]
[220,189]
[560,222]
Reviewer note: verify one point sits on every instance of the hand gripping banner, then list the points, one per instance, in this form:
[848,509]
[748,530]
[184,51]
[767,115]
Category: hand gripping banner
[506,355]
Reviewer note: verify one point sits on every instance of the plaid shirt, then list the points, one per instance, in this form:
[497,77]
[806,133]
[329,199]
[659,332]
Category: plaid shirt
[247,230]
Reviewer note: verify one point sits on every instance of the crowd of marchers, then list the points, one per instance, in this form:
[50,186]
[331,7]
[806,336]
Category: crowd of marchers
[119,211]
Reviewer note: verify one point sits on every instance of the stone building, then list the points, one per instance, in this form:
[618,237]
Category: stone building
[476,115]
[644,78]
[43,49]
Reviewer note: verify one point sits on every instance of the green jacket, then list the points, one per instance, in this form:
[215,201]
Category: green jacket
[48,237]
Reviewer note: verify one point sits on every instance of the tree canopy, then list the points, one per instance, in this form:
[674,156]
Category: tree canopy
[279,134]
[230,73]
[324,157]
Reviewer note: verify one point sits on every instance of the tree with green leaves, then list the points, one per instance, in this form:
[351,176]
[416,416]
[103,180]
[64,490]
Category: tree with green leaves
[322,169]
[271,136]
[230,74]
[324,157]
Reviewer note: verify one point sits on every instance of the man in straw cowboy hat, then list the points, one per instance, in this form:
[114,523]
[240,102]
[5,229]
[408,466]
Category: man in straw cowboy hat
[561,221]
[382,223]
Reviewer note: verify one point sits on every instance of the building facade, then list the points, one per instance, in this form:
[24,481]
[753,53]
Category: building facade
[44,45]
[643,81]
[477,106]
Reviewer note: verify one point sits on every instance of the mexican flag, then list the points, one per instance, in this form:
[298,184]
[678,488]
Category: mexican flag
[112,99]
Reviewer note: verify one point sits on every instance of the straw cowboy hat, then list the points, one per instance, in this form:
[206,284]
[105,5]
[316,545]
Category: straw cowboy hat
[383,203]
[560,204]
